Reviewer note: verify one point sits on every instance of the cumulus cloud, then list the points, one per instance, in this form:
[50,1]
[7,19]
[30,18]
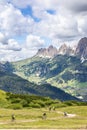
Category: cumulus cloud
[3,38]
[62,24]
[12,22]
[38,5]
[20,3]
[82,22]
[75,5]
[58,26]
[67,24]
[14,51]
[13,45]
[34,41]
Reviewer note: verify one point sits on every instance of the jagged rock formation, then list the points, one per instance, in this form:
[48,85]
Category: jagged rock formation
[47,52]
[53,51]
[81,49]
[65,50]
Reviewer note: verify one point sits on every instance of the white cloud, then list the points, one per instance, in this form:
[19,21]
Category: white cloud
[67,24]
[34,41]
[58,26]
[12,22]
[13,51]
[82,24]
[42,4]
[61,24]
[21,3]
[76,6]
[3,38]
[13,45]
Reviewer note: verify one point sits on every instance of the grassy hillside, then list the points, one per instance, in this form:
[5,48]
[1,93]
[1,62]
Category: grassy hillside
[29,109]
[19,101]
[65,72]
[3,100]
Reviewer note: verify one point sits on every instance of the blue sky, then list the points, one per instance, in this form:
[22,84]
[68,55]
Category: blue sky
[26,26]
[29,12]
[50,11]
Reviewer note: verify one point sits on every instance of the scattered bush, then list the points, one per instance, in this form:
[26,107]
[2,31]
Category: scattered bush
[34,105]
[15,106]
[19,101]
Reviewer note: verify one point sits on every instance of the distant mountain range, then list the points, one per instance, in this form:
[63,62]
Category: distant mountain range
[47,52]
[80,50]
[65,68]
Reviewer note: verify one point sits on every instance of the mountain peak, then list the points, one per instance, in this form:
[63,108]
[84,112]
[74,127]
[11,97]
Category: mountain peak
[64,49]
[81,49]
[51,47]
[49,52]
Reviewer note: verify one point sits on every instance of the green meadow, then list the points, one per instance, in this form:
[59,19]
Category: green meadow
[29,110]
[32,118]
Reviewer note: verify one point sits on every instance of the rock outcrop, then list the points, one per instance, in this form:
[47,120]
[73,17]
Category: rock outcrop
[81,49]
[47,52]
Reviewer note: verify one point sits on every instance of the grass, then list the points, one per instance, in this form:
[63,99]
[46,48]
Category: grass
[32,118]
[2,94]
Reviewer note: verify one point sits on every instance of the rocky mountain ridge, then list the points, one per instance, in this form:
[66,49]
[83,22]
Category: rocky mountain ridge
[47,52]
[81,49]
[65,50]
[51,51]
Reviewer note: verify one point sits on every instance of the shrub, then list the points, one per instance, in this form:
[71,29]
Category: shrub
[61,105]
[3,103]
[24,103]
[41,103]
[34,105]
[15,106]
[15,100]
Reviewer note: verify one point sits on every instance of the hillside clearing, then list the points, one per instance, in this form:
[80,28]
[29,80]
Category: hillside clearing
[32,118]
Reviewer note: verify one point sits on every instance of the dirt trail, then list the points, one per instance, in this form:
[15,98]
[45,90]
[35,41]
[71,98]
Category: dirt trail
[71,115]
[19,121]
[68,115]
[33,120]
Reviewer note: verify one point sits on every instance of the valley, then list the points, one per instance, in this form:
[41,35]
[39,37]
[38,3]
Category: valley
[50,72]
[64,72]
